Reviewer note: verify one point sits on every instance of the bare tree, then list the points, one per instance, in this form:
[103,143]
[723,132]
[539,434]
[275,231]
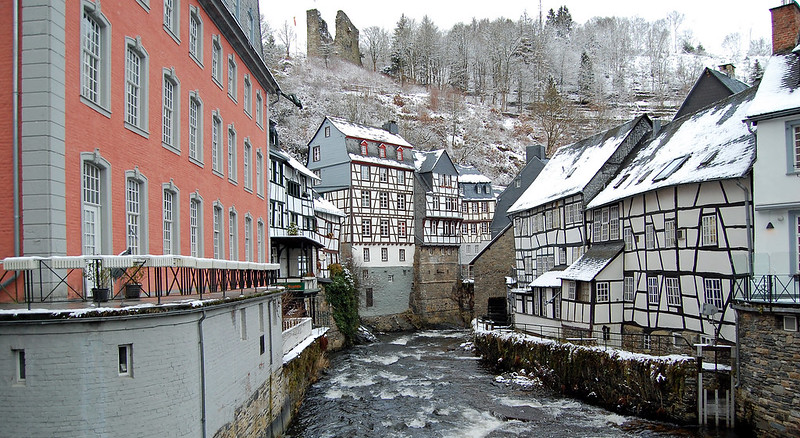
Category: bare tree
[375,44]
[287,37]
[733,44]
[554,115]
[675,20]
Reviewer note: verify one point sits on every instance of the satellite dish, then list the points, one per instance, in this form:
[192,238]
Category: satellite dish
[709,309]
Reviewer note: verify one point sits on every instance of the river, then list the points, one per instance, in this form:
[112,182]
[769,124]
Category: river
[431,384]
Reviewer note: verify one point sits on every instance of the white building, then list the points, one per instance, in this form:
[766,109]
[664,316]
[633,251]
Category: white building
[478,202]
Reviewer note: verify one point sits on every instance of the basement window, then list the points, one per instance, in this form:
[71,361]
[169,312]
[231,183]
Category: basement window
[20,374]
[125,362]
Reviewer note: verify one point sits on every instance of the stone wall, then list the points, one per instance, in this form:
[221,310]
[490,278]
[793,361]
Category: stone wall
[767,396]
[346,41]
[491,269]
[636,384]
[318,38]
[435,298]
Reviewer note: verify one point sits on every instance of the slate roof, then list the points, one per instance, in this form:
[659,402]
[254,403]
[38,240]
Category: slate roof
[471,175]
[735,85]
[572,167]
[594,260]
[548,279]
[365,132]
[779,90]
[711,144]
[424,162]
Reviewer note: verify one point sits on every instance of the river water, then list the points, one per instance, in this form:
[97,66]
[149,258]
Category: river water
[431,384]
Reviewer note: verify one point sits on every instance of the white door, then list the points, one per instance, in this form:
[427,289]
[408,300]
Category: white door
[91,229]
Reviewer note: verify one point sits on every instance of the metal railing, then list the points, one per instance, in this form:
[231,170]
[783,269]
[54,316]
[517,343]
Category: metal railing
[768,288]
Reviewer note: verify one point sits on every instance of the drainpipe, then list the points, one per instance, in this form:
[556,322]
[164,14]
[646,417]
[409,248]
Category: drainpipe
[15,130]
[749,227]
[202,374]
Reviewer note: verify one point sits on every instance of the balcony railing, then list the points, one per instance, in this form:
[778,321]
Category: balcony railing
[768,288]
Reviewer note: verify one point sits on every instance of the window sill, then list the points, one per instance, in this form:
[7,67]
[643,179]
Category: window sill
[216,81]
[171,33]
[144,5]
[217,173]
[247,113]
[248,190]
[196,60]
[233,181]
[137,130]
[196,162]
[233,98]
[97,107]
[171,148]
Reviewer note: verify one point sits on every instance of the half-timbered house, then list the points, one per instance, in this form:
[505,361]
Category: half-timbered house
[535,161]
[438,235]
[329,225]
[477,207]
[549,224]
[368,173]
[670,234]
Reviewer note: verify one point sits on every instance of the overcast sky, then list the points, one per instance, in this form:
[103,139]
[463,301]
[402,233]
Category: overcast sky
[710,20]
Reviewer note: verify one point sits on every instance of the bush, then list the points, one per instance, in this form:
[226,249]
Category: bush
[342,295]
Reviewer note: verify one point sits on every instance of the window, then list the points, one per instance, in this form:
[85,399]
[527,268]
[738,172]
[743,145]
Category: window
[382,151]
[315,154]
[649,236]
[652,290]
[401,202]
[436,203]
[195,127]
[366,258]
[248,238]
[709,230]
[243,324]
[217,226]
[713,292]
[247,156]
[670,168]
[251,26]
[216,60]
[365,201]
[276,175]
[401,177]
[136,68]
[605,224]
[627,235]
[93,206]
[602,292]
[628,288]
[384,254]
[795,149]
[195,35]
[125,363]
[669,233]
[233,236]
[401,229]
[232,77]
[370,301]
[19,360]
[327,131]
[231,154]
[96,56]
[364,147]
[171,220]
[384,227]
[571,292]
[672,287]
[216,142]
[383,197]
[171,17]
[135,211]
[248,95]
[647,342]
[364,173]
[484,227]
[390,278]
[383,174]
[797,238]
[195,226]
[401,255]
[259,173]
[366,227]
[485,209]
[259,109]
[170,120]
[400,155]
[260,240]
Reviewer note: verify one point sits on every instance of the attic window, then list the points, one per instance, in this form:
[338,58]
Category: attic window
[644,176]
[363,147]
[399,154]
[708,159]
[670,168]
[622,180]
[382,150]
[571,171]
[327,131]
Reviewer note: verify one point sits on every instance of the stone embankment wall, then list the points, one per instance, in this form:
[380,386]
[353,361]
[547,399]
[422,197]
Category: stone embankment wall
[656,387]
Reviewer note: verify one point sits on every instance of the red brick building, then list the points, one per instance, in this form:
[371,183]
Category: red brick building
[141,125]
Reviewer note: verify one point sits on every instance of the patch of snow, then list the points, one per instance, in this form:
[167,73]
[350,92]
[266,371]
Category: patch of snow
[364,132]
[382,161]
[322,205]
[299,348]
[777,92]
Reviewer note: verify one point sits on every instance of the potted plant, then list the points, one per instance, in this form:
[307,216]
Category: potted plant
[133,284]
[100,278]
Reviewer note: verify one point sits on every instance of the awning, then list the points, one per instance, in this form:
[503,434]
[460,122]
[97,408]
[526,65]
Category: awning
[548,279]
[592,262]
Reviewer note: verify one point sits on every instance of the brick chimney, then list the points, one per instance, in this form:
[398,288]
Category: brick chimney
[785,27]
[729,70]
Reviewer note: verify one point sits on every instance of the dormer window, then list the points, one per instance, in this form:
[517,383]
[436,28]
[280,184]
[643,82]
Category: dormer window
[382,150]
[399,154]
[363,147]
[670,168]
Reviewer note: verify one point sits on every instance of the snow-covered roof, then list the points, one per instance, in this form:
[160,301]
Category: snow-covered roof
[572,167]
[382,161]
[365,132]
[779,90]
[471,175]
[592,262]
[711,144]
[300,167]
[425,161]
[548,279]
[322,205]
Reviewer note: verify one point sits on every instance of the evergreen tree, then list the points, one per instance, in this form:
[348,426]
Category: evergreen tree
[756,73]
[586,79]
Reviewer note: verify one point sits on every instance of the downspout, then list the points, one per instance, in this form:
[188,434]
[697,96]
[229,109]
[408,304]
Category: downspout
[15,130]
[749,227]
[202,374]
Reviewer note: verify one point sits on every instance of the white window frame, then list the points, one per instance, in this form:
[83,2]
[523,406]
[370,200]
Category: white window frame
[260,240]
[125,360]
[673,290]
[383,198]
[171,219]
[602,291]
[315,153]
[259,173]
[232,171]
[171,111]
[95,59]
[96,220]
[259,109]
[365,199]
[216,143]
[670,240]
[195,35]
[384,227]
[232,77]
[713,292]
[218,230]
[401,255]
[20,366]
[216,60]
[136,86]
[136,212]
[195,115]
[233,235]
[709,230]
[247,164]
[366,227]
[572,290]
[627,236]
[384,254]
[195,225]
[247,96]
[172,22]
[628,288]
[365,256]
[649,236]
[248,238]
[653,292]
[365,172]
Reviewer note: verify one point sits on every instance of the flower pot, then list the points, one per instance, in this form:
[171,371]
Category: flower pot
[133,290]
[100,294]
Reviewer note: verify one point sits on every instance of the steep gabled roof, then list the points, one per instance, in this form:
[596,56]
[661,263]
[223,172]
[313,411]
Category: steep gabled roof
[292,162]
[708,145]
[471,175]
[779,90]
[572,167]
[365,132]
[424,162]
[592,262]
[712,86]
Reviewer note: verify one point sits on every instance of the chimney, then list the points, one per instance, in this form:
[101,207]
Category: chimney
[656,128]
[729,70]
[535,151]
[391,127]
[785,27]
